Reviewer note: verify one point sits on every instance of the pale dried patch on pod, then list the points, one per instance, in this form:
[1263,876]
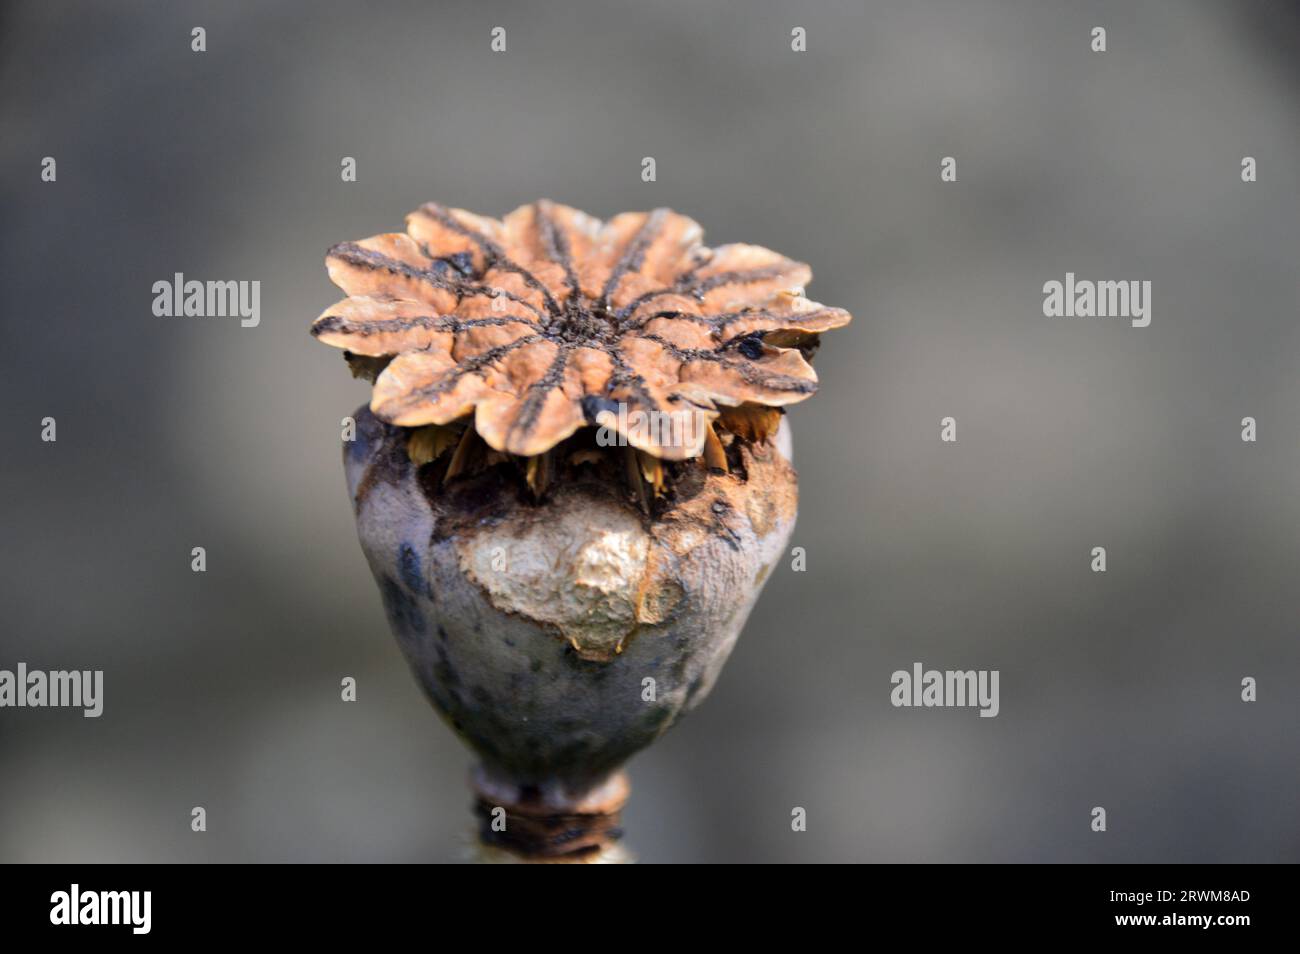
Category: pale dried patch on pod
[583,581]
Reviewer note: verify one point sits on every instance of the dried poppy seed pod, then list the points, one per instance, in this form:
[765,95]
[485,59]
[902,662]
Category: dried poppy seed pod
[558,640]
[571,483]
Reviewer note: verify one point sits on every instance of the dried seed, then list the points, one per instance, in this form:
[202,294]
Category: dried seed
[714,455]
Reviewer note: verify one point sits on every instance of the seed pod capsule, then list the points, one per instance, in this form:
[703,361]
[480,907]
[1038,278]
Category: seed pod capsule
[571,482]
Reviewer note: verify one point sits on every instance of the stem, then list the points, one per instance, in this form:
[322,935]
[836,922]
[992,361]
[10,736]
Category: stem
[536,824]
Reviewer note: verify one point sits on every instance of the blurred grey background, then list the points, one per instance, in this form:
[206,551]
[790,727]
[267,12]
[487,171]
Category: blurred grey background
[1119,689]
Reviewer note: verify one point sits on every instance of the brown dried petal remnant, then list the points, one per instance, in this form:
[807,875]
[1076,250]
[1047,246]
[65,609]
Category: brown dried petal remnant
[549,321]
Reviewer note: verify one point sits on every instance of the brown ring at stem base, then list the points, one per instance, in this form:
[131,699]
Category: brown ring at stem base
[550,826]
